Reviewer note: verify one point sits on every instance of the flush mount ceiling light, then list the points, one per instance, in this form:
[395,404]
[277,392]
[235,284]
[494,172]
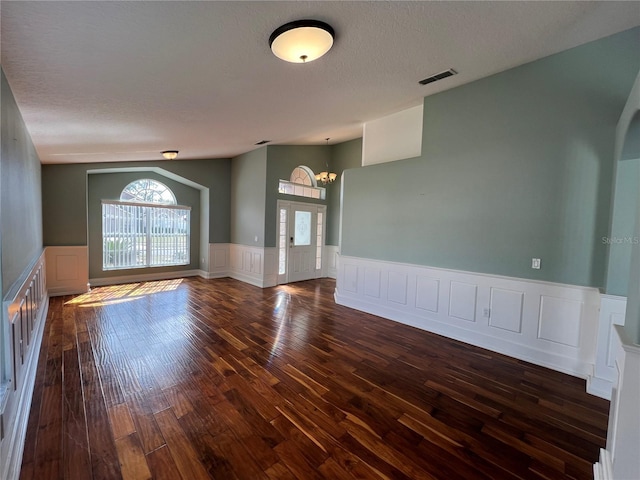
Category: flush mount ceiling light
[301,41]
[170,154]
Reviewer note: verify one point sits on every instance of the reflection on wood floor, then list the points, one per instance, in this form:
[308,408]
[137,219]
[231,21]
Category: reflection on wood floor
[193,379]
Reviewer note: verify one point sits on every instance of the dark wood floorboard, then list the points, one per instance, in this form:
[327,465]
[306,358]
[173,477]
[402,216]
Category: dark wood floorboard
[195,379]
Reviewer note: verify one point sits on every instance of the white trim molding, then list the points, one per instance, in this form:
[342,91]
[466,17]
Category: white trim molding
[548,324]
[254,265]
[67,270]
[603,470]
[26,311]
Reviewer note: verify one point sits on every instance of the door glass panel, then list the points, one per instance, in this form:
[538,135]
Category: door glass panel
[282,243]
[302,234]
[319,241]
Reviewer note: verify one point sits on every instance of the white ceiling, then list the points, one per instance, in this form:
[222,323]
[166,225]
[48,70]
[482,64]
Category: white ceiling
[113,81]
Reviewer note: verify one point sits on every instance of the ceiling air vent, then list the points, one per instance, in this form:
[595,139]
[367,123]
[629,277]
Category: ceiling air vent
[438,76]
[262,142]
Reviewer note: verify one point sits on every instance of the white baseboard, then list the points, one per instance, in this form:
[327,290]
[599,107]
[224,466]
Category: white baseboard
[603,470]
[548,324]
[145,277]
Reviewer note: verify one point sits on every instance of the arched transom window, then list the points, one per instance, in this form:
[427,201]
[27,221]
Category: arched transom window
[145,228]
[303,176]
[302,183]
[146,190]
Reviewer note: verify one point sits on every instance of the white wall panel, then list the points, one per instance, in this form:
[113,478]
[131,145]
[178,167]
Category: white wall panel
[612,312]
[506,309]
[560,320]
[331,260]
[67,270]
[397,288]
[427,291]
[350,283]
[394,137]
[462,301]
[255,265]
[372,282]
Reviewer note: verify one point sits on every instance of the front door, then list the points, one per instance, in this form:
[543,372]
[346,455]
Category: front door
[301,241]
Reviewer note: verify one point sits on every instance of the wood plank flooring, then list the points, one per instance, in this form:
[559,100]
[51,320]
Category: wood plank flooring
[195,379]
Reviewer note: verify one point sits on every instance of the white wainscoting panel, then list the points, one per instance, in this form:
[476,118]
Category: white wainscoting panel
[506,309]
[372,282]
[67,270]
[612,312]
[331,260]
[349,277]
[218,260]
[397,287]
[548,324]
[462,301]
[427,291]
[25,310]
[566,332]
[255,265]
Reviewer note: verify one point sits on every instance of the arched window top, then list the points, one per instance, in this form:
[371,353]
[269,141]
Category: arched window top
[146,190]
[302,183]
[303,175]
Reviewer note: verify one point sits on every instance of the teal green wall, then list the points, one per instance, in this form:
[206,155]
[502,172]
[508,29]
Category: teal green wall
[108,186]
[64,204]
[20,210]
[248,172]
[64,196]
[621,238]
[346,155]
[21,205]
[513,166]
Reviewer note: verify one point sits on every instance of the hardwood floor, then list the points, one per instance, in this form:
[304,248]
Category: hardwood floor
[193,379]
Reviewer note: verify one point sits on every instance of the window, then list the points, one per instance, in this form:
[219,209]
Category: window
[302,183]
[145,228]
[282,241]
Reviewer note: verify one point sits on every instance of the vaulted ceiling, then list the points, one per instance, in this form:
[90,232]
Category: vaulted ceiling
[113,81]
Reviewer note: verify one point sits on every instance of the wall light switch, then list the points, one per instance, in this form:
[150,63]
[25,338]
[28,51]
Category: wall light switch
[535,263]
[255,239]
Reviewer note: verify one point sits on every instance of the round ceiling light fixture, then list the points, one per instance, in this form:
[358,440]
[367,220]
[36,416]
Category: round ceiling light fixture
[170,154]
[302,41]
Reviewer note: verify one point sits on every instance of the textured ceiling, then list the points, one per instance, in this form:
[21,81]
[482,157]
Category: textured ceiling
[114,81]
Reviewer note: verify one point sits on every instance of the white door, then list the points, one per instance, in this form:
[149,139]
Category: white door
[300,241]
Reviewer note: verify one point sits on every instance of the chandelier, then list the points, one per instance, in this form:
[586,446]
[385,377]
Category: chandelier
[326,176]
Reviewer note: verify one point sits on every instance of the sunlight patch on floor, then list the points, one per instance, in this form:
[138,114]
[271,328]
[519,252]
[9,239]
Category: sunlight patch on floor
[115,294]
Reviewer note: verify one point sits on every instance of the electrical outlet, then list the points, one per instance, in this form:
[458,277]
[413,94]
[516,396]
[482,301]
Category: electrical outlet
[535,263]
[486,312]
